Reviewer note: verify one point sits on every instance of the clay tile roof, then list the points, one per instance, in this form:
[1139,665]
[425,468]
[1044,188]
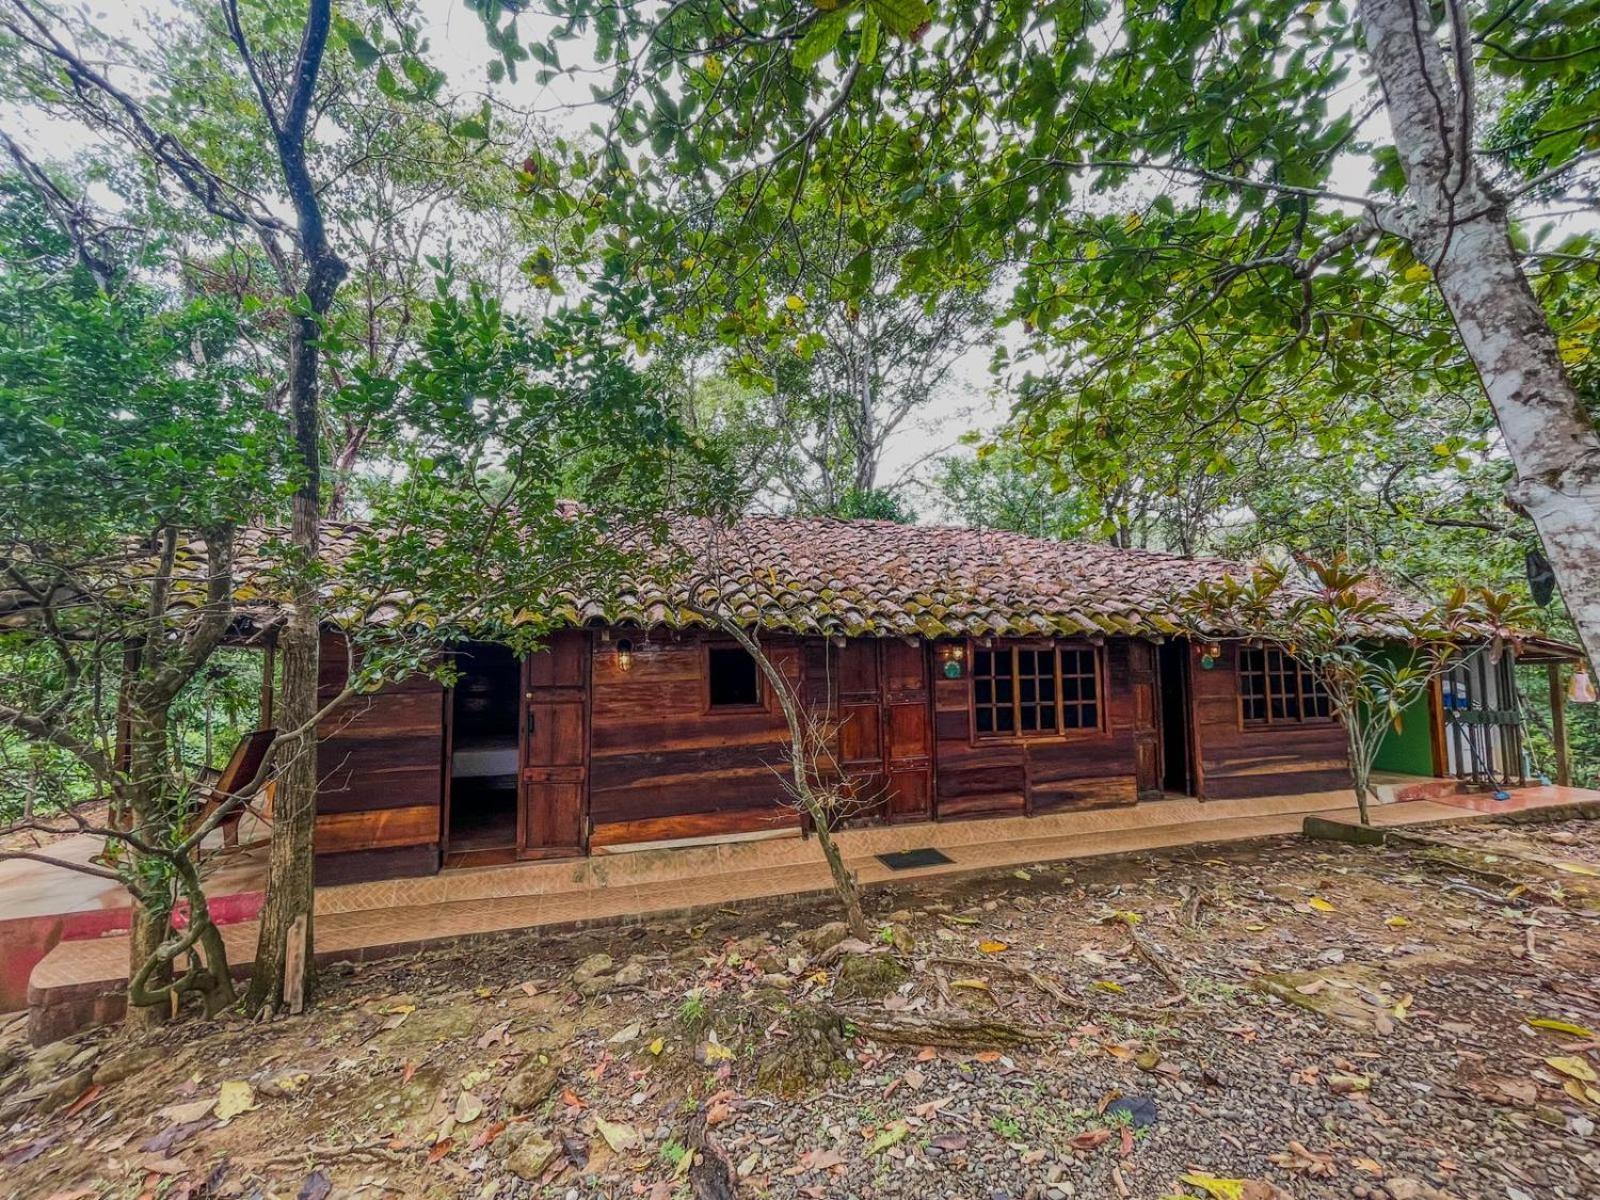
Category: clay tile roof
[818,575]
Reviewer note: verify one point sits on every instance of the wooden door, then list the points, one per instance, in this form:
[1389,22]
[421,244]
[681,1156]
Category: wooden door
[907,736]
[1146,732]
[553,816]
[860,718]
[885,743]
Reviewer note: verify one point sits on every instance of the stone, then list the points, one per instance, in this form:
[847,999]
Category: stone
[128,1064]
[47,1060]
[868,977]
[900,937]
[592,968]
[531,1084]
[781,982]
[630,974]
[532,1155]
[823,937]
[68,1090]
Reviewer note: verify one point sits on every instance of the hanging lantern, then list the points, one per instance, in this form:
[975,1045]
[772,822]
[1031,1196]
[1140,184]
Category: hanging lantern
[952,659]
[1580,688]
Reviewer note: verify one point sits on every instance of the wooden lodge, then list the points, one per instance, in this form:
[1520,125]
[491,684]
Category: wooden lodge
[967,673]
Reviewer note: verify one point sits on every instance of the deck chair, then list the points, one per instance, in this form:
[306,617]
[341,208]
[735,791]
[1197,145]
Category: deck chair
[242,767]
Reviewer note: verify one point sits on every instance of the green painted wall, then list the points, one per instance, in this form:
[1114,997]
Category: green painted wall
[1410,751]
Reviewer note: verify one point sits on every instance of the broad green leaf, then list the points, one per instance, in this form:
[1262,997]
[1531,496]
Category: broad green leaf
[903,17]
[820,39]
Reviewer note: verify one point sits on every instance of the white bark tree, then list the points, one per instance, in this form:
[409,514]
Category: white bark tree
[1456,222]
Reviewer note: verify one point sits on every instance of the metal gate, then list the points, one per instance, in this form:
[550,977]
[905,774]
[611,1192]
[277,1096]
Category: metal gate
[1482,724]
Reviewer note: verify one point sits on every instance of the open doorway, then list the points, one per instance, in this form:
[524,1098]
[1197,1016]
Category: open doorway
[485,766]
[1177,743]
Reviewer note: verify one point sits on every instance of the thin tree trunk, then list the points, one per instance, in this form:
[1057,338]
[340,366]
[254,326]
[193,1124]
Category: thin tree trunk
[290,859]
[289,892]
[140,804]
[1458,227]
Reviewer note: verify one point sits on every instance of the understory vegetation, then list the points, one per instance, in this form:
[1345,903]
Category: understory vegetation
[1263,1021]
[463,288]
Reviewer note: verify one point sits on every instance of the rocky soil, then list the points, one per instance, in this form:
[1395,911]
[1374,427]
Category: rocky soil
[1242,1023]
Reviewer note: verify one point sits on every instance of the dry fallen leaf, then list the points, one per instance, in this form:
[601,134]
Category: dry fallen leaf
[1555,1026]
[468,1108]
[234,1097]
[1576,1067]
[619,1136]
[1321,905]
[993,947]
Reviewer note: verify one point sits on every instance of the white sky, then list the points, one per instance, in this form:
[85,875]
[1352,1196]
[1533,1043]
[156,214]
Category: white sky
[971,399]
[968,401]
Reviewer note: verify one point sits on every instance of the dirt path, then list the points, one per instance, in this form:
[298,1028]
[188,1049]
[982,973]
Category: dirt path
[1243,1022]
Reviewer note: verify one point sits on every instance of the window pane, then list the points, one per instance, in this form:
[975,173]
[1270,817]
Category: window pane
[985,720]
[1003,722]
[734,679]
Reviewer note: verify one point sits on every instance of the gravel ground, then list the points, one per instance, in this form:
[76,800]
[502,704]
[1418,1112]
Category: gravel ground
[1253,1021]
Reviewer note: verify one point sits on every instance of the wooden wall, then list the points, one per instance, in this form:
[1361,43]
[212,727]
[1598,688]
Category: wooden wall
[1258,760]
[1014,776]
[380,765]
[663,764]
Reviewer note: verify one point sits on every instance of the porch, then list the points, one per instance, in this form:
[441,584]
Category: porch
[78,980]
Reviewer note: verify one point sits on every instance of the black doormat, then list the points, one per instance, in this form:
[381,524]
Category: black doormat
[905,860]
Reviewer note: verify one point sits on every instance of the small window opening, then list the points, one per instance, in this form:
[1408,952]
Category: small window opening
[735,682]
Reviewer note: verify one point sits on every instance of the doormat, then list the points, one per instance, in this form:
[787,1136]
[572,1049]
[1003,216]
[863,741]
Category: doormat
[905,860]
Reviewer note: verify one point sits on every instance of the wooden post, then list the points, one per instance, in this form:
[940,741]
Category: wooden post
[294,966]
[1558,724]
[269,663]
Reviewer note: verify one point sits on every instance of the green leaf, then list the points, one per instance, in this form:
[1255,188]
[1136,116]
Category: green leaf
[820,39]
[903,17]
[363,51]
[870,28]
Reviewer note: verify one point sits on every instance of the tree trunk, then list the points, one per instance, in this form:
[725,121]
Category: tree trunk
[145,936]
[140,802]
[1459,228]
[844,882]
[289,893]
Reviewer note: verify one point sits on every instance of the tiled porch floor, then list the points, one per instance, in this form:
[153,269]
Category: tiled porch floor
[376,919]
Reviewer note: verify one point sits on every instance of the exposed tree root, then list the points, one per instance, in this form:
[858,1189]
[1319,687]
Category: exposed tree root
[1054,990]
[711,1176]
[951,1031]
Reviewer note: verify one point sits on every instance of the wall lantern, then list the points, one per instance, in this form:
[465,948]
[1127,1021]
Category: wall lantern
[952,659]
[625,653]
[1209,653]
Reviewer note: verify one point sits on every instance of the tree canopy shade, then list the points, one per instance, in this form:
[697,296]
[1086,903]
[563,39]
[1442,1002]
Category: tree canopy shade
[129,426]
[1162,186]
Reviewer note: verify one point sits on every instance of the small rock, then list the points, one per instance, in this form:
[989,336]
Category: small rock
[531,1084]
[781,982]
[68,1090]
[47,1059]
[631,974]
[823,937]
[592,968]
[127,1064]
[529,1160]
[868,977]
